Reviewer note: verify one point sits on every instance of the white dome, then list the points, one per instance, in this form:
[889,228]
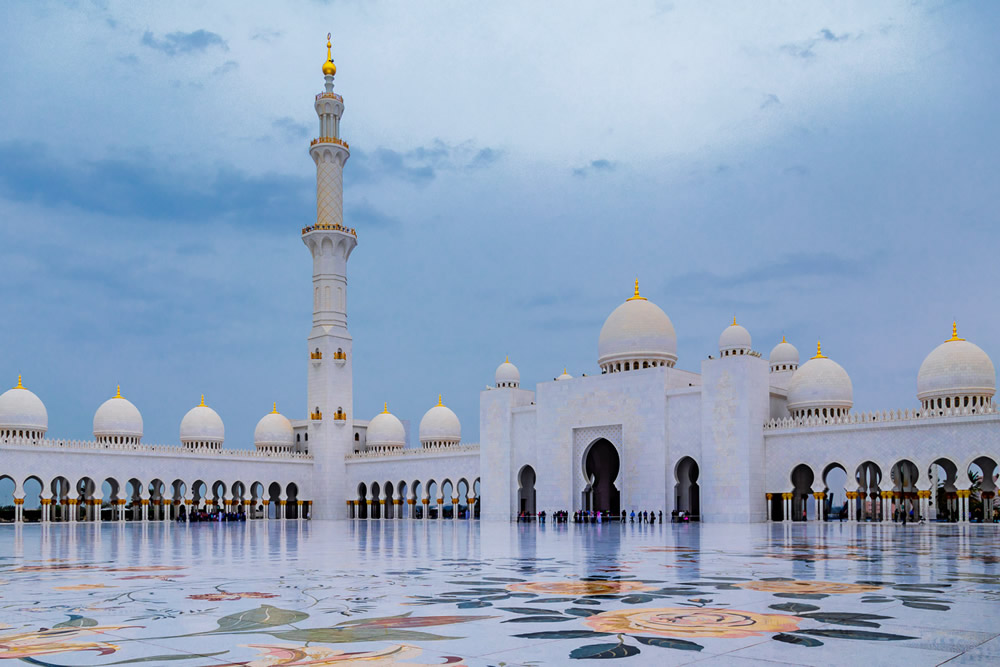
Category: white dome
[21,410]
[274,430]
[439,424]
[820,383]
[117,417]
[507,375]
[385,430]
[734,338]
[784,354]
[956,367]
[564,376]
[637,330]
[202,424]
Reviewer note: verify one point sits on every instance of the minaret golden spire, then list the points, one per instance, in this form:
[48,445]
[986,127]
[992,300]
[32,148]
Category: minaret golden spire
[329,69]
[635,295]
[819,351]
[954,333]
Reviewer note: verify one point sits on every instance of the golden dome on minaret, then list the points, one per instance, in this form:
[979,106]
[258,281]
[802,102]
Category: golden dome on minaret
[329,69]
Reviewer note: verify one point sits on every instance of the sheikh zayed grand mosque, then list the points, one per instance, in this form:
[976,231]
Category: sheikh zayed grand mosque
[741,438]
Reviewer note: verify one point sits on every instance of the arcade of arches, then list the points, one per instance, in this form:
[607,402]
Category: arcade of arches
[430,499]
[941,491]
[95,500]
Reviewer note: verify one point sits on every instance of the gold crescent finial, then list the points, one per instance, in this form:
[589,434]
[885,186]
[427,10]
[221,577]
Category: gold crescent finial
[274,410]
[329,69]
[734,320]
[118,391]
[635,294]
[954,333]
[385,408]
[439,400]
[564,371]
[202,401]
[506,359]
[819,351]
[783,338]
[19,385]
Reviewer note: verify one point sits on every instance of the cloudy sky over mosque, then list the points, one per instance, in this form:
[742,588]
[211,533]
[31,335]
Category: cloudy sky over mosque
[818,171]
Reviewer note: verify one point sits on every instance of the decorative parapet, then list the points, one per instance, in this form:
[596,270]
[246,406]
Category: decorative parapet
[403,452]
[332,96]
[329,140]
[877,417]
[169,450]
[333,227]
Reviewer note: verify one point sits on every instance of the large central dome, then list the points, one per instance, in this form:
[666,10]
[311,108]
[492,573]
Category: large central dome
[637,334]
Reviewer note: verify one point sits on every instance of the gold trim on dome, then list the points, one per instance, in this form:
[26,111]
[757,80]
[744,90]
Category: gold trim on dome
[954,333]
[635,296]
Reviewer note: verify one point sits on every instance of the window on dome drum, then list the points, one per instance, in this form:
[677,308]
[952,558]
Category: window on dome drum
[357,437]
[307,437]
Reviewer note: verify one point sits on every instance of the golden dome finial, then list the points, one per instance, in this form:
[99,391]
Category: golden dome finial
[734,320]
[564,371]
[19,385]
[954,333]
[635,295]
[385,408]
[819,351]
[329,69]
[506,358]
[783,338]
[274,410]
[118,391]
[202,401]
[439,401]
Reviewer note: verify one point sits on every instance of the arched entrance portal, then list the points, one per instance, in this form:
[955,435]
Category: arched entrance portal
[686,493]
[526,490]
[600,468]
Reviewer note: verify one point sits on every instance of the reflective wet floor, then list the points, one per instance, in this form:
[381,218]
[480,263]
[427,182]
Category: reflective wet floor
[477,594]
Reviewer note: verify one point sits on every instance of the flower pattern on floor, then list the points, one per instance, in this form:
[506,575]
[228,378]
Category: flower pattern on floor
[457,593]
[685,622]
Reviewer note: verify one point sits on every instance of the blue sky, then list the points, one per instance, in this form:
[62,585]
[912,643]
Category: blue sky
[816,171]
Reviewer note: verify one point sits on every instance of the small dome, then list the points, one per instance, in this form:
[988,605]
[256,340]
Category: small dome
[564,376]
[956,368]
[636,331]
[507,375]
[21,410]
[439,425]
[202,425]
[820,383]
[385,430]
[117,418]
[784,356]
[734,339]
[273,430]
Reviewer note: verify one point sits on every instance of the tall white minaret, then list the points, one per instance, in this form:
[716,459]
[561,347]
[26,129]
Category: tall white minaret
[331,393]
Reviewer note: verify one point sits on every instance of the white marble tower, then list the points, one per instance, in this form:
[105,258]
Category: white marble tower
[331,393]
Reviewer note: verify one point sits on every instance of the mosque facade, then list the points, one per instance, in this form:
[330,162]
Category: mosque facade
[744,439]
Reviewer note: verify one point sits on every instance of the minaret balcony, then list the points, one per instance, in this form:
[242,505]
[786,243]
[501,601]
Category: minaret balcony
[340,417]
[340,357]
[316,356]
[330,140]
[329,96]
[316,416]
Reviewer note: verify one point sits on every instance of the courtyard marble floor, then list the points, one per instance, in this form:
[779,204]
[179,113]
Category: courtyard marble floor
[466,593]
